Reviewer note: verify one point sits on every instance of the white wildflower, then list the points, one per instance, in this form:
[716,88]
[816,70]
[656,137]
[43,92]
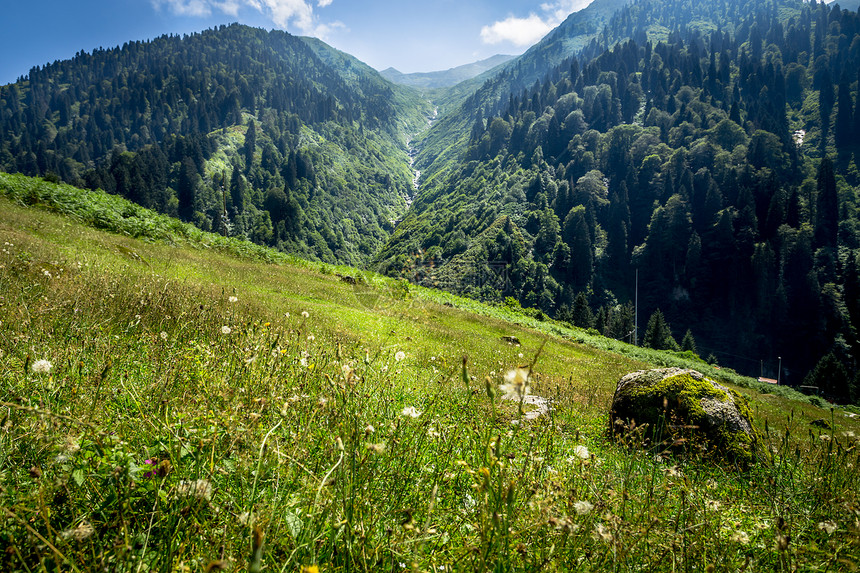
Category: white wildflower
[399,356]
[233,299]
[305,314]
[311,338]
[41,366]
[163,335]
[410,412]
[582,507]
[516,382]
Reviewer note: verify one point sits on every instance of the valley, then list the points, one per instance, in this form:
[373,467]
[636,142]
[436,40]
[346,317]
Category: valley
[265,308]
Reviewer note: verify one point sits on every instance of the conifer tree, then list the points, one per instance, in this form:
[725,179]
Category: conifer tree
[689,343]
[826,206]
[842,131]
[658,335]
[582,315]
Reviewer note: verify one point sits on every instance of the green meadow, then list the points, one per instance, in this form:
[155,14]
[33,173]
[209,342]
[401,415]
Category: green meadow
[172,400]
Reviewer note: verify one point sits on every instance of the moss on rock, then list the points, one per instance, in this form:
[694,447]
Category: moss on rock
[676,407]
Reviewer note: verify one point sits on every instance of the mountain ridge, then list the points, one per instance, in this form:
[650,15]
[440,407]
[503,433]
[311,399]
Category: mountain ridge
[445,78]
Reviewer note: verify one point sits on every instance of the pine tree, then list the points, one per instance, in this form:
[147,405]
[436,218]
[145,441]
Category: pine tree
[250,144]
[658,335]
[842,131]
[582,315]
[186,191]
[826,207]
[831,377]
[689,343]
[237,190]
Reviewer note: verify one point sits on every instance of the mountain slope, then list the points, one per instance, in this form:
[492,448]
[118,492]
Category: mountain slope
[246,132]
[691,150]
[446,78]
[248,402]
[447,139]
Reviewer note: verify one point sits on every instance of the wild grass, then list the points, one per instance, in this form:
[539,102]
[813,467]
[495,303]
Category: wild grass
[168,408]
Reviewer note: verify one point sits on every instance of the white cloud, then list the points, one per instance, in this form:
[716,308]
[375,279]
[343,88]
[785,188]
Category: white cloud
[282,13]
[519,31]
[527,31]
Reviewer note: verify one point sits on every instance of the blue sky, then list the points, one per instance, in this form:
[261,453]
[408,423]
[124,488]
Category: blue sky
[410,35]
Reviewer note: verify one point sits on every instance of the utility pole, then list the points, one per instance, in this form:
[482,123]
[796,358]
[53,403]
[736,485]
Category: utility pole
[779,372]
[636,313]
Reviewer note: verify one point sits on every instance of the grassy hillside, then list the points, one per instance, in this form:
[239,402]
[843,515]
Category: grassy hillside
[173,400]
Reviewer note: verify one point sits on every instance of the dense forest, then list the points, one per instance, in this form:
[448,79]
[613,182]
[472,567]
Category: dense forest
[712,146]
[239,130]
[711,149]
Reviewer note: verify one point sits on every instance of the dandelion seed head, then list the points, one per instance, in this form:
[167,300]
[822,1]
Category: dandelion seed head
[399,356]
[603,532]
[378,448]
[41,366]
[80,533]
[740,537]
[582,507]
[410,412]
[516,382]
[581,452]
[198,489]
[827,526]
[163,335]
[226,329]
[305,314]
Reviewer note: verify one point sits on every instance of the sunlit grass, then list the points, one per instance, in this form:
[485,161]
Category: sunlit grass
[203,412]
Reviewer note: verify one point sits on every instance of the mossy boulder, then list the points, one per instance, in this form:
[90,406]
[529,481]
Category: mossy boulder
[683,410]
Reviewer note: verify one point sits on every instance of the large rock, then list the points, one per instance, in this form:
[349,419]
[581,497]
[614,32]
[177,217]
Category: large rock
[672,408]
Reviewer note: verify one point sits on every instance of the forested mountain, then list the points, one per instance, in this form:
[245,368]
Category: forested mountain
[242,131]
[465,102]
[712,146]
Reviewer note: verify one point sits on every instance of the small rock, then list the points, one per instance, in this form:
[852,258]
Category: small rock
[511,340]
